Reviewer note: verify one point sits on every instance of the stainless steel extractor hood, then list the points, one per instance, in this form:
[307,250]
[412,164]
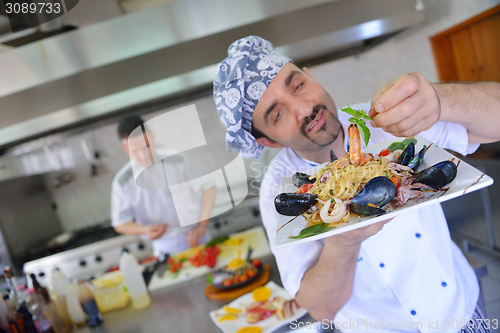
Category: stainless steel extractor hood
[164,51]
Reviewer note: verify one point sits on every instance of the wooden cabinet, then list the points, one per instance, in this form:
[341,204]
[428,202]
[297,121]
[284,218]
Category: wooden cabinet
[470,51]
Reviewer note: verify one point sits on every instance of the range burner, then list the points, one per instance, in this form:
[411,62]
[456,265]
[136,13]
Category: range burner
[88,253]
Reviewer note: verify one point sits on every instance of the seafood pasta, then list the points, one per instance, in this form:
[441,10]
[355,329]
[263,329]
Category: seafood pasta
[340,180]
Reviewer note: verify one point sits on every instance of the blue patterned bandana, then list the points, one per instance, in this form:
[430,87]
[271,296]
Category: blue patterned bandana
[240,82]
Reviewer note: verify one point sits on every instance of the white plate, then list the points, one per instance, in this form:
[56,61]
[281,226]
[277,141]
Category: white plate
[267,325]
[468,179]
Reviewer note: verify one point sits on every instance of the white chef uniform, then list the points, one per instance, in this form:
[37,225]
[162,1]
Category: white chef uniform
[130,202]
[409,275]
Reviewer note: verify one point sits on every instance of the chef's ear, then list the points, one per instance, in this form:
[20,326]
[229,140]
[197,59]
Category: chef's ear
[306,70]
[124,145]
[269,143]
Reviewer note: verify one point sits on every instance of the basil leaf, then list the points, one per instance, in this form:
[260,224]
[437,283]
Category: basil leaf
[365,133]
[313,230]
[401,145]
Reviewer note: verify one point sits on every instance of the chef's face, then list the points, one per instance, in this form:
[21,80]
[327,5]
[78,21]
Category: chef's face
[137,149]
[295,111]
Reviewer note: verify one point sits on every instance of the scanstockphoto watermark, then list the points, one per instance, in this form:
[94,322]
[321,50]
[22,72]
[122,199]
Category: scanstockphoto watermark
[361,324]
[364,324]
[25,14]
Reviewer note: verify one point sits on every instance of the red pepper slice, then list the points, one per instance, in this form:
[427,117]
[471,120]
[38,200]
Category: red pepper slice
[384,152]
[304,188]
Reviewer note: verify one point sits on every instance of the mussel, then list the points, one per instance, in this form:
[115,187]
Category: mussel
[293,204]
[417,159]
[437,175]
[300,178]
[377,192]
[407,154]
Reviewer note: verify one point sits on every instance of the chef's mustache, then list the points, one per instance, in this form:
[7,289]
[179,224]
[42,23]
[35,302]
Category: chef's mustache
[311,117]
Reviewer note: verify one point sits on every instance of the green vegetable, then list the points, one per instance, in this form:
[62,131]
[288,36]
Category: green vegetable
[210,279]
[217,240]
[401,145]
[313,230]
[358,118]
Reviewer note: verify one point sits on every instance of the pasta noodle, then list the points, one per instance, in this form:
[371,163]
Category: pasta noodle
[345,182]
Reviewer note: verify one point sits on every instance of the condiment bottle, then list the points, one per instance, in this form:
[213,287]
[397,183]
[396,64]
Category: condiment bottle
[4,324]
[134,281]
[35,304]
[40,289]
[87,300]
[29,325]
[15,320]
[74,307]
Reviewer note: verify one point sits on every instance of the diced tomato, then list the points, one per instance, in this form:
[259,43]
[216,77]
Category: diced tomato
[396,181]
[384,152]
[304,188]
[256,263]
[227,282]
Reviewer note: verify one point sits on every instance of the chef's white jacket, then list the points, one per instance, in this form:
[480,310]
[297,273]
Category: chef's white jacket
[130,202]
[409,275]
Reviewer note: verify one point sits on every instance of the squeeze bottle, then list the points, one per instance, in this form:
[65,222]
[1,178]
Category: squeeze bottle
[134,281]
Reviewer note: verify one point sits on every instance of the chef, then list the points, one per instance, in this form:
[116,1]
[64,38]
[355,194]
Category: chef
[151,212]
[403,275]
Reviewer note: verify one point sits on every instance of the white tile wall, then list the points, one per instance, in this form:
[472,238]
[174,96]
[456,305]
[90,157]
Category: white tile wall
[86,200]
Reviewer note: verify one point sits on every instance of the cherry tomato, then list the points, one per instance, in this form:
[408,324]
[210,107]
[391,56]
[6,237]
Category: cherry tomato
[396,181]
[256,262]
[384,152]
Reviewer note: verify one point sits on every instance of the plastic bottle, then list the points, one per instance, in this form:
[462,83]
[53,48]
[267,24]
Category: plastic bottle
[4,324]
[15,320]
[74,308]
[35,304]
[134,281]
[59,283]
[29,325]
[87,300]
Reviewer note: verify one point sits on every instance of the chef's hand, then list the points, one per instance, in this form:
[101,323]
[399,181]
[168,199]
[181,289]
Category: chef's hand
[355,237]
[194,235]
[155,231]
[406,106]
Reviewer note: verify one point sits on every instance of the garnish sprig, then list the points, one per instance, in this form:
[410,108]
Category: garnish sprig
[358,118]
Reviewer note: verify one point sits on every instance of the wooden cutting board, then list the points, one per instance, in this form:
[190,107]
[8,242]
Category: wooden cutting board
[255,237]
[227,295]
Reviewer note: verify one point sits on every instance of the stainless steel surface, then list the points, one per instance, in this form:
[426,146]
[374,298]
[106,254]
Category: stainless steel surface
[181,308]
[89,260]
[25,227]
[168,50]
[244,216]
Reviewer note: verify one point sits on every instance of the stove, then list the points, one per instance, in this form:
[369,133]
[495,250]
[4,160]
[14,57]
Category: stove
[90,253]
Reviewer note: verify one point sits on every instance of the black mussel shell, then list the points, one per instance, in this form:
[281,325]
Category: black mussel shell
[378,191]
[417,159]
[300,178]
[407,154]
[333,157]
[365,210]
[293,204]
[437,175]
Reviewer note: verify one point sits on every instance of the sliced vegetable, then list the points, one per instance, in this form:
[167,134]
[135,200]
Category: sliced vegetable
[304,188]
[228,309]
[226,317]
[396,181]
[217,240]
[250,329]
[261,294]
[384,152]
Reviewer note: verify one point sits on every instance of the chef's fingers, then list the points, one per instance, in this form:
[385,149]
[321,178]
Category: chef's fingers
[377,95]
[404,87]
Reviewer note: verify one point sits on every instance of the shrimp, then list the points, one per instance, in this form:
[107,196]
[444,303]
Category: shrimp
[354,144]
[355,155]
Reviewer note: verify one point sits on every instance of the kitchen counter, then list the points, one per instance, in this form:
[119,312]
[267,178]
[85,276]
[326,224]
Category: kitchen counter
[180,308]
